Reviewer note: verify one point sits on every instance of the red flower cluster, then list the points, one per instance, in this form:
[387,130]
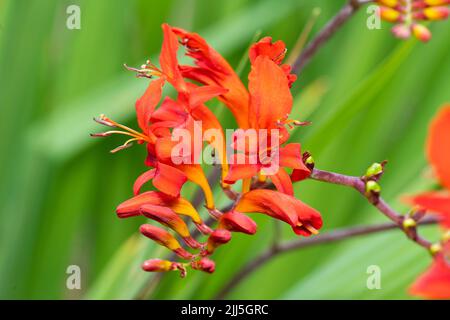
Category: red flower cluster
[265,105]
[435,282]
[408,15]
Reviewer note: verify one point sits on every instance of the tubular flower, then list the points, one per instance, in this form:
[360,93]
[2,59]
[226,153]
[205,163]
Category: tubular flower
[408,15]
[262,108]
[237,222]
[165,239]
[435,282]
[303,219]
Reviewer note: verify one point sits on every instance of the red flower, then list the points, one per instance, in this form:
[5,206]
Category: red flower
[265,106]
[438,151]
[435,282]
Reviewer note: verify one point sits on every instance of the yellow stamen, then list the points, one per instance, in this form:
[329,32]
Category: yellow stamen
[311,229]
[121,126]
[125,145]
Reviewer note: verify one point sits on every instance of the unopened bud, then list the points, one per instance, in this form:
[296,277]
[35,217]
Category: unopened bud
[391,15]
[165,239]
[421,32]
[436,13]
[204,264]
[157,265]
[375,169]
[237,222]
[169,218]
[409,223]
[218,238]
[372,187]
[435,248]
[401,31]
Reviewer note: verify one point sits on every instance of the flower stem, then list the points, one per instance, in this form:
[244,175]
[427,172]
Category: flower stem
[326,33]
[350,181]
[292,245]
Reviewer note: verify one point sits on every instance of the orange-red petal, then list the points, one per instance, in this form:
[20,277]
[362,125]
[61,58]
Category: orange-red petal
[269,202]
[237,222]
[200,94]
[434,283]
[168,59]
[436,202]
[282,182]
[146,104]
[169,179]
[240,171]
[439,145]
[142,179]
[271,98]
[303,219]
[291,156]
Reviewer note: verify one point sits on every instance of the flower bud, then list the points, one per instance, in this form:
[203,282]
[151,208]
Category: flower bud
[165,239]
[375,169]
[436,13]
[389,14]
[167,217]
[372,187]
[158,265]
[204,264]
[421,32]
[237,222]
[435,248]
[401,31]
[409,223]
[217,238]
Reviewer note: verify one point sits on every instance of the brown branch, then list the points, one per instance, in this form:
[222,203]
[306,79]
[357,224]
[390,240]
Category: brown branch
[326,33]
[358,184]
[331,236]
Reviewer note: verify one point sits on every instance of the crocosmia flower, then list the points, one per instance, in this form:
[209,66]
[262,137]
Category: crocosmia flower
[262,109]
[408,16]
[435,282]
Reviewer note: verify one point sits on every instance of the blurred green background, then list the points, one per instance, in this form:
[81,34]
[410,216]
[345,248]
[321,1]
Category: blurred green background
[370,97]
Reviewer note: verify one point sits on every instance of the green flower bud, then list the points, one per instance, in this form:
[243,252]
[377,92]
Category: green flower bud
[372,186]
[374,170]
